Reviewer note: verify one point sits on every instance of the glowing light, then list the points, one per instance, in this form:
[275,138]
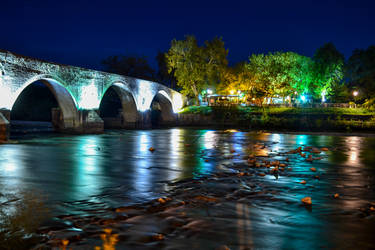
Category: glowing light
[89,97]
[232,91]
[6,100]
[209,139]
[177,102]
[323,96]
[209,91]
[145,95]
[303,98]
[355,93]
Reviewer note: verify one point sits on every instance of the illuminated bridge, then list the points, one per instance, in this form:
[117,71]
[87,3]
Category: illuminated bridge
[79,93]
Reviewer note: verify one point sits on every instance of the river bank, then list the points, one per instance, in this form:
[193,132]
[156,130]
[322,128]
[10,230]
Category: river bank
[280,119]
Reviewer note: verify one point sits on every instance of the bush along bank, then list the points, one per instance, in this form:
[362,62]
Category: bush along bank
[292,119]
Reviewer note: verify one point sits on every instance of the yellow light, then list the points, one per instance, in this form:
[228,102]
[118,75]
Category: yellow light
[232,91]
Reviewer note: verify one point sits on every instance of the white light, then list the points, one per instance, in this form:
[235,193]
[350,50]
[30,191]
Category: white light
[89,97]
[145,96]
[177,102]
[5,96]
[355,92]
[209,91]
[323,96]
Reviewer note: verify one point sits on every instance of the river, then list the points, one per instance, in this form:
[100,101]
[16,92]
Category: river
[118,169]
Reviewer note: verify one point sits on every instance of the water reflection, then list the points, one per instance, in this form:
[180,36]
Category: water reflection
[85,167]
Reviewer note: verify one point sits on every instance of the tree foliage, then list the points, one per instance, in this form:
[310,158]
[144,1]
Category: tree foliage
[194,66]
[361,71]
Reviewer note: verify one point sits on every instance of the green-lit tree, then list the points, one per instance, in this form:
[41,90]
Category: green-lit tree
[196,67]
[327,70]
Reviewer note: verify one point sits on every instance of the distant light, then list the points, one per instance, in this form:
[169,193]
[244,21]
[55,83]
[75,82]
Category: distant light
[232,91]
[303,98]
[209,91]
[295,92]
[355,93]
[323,96]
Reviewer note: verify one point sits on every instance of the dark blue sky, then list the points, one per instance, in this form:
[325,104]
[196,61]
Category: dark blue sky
[82,33]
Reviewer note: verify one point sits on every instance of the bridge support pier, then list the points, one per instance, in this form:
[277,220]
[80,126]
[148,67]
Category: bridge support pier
[144,119]
[87,122]
[90,122]
[4,125]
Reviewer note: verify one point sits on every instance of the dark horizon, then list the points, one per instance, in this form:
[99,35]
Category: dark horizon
[84,33]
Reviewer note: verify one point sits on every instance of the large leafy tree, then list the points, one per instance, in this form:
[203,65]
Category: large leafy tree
[196,67]
[328,69]
[361,71]
[279,73]
[129,66]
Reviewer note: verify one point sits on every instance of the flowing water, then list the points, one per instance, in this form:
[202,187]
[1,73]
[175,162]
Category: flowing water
[117,168]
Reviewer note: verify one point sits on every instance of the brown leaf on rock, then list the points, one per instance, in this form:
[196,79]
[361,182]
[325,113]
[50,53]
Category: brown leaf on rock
[306,200]
[303,182]
[313,169]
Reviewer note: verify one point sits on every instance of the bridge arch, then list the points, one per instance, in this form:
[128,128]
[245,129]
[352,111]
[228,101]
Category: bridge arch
[68,118]
[162,109]
[127,116]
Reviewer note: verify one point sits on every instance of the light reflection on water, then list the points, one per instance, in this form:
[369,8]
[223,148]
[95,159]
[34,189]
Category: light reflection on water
[81,167]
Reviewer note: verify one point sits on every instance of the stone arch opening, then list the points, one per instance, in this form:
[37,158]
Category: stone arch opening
[118,108]
[43,105]
[162,110]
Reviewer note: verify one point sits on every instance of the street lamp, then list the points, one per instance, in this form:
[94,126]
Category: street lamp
[355,94]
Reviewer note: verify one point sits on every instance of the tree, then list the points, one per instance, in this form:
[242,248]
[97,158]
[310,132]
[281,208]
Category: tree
[361,71]
[163,76]
[129,66]
[328,69]
[196,67]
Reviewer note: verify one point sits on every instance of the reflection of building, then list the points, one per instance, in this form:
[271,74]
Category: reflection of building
[223,100]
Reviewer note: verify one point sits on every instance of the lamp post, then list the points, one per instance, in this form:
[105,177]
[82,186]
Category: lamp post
[355,94]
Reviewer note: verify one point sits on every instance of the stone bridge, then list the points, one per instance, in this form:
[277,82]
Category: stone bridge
[79,92]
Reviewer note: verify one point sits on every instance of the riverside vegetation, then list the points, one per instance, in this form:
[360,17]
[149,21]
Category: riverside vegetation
[285,118]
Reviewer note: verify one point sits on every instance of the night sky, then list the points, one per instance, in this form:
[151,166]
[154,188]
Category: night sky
[82,33]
